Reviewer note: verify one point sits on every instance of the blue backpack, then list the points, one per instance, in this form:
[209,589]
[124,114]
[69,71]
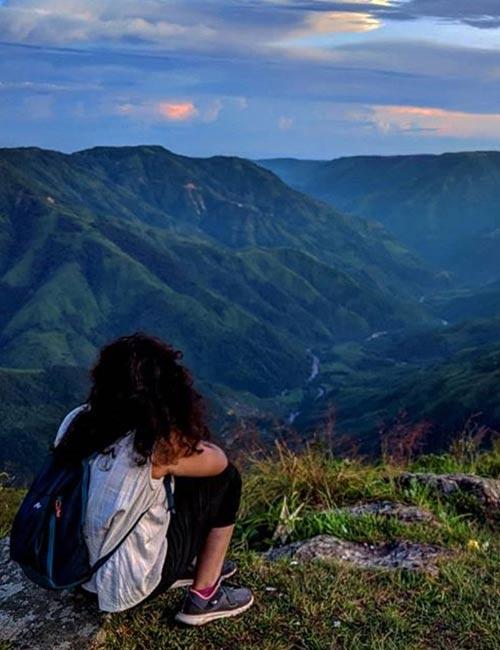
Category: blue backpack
[47,538]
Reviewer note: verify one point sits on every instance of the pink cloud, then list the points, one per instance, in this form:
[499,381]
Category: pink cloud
[177,111]
[436,121]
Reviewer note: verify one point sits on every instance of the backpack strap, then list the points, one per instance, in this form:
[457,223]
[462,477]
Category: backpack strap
[170,495]
[106,557]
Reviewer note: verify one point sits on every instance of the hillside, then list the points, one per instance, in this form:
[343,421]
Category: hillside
[251,279]
[467,304]
[227,200]
[443,207]
[31,407]
[216,255]
[441,377]
[384,561]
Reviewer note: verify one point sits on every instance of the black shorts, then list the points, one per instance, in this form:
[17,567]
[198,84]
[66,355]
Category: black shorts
[200,505]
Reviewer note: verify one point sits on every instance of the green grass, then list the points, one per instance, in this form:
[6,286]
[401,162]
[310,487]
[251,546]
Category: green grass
[320,605]
[303,492]
[10,499]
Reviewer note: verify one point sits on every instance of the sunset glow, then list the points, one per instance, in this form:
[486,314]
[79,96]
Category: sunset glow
[337,22]
[178,112]
[436,121]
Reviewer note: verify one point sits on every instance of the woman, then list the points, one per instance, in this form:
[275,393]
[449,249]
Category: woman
[156,478]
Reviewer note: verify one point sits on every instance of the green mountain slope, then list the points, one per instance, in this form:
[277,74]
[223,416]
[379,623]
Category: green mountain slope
[227,200]
[32,406]
[443,207]
[440,375]
[216,255]
[467,304]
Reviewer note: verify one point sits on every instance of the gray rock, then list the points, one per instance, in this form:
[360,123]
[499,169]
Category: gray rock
[31,617]
[394,555]
[399,511]
[485,490]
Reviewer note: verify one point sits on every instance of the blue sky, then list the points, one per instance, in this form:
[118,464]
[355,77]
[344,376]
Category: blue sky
[259,78]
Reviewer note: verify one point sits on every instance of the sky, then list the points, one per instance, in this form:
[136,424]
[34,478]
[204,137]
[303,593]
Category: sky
[258,78]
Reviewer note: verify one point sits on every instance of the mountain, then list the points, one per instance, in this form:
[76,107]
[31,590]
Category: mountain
[433,344]
[443,376]
[32,406]
[467,304]
[228,201]
[217,255]
[443,207]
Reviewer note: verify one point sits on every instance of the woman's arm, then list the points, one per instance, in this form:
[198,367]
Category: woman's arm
[209,461]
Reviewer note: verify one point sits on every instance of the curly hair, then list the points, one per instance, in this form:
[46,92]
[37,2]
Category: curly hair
[139,386]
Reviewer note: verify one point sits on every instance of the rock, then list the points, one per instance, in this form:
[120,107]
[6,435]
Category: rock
[32,617]
[399,511]
[394,555]
[485,490]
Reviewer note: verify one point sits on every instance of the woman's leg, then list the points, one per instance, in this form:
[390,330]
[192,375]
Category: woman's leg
[211,557]
[206,511]
[202,505]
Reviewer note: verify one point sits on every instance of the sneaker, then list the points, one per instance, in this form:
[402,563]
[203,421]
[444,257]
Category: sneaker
[229,568]
[227,601]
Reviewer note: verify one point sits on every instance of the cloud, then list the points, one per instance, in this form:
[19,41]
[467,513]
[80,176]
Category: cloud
[477,13]
[158,111]
[62,22]
[174,110]
[44,87]
[169,67]
[436,122]
[255,28]
[211,113]
[177,111]
[338,22]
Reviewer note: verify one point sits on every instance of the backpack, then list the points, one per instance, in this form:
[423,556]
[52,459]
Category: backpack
[47,538]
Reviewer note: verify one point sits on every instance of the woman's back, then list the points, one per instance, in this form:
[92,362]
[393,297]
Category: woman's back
[121,492]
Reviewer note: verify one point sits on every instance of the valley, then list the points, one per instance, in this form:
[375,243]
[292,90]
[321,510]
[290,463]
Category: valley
[285,308]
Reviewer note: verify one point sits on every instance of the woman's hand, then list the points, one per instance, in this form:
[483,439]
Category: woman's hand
[207,460]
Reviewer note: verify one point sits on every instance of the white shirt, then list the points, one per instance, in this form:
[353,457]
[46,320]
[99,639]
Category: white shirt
[120,491]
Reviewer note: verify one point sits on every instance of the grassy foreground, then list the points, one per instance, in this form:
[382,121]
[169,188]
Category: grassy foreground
[318,606]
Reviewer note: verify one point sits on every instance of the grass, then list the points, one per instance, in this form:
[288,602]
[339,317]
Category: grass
[302,492]
[10,499]
[322,606]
